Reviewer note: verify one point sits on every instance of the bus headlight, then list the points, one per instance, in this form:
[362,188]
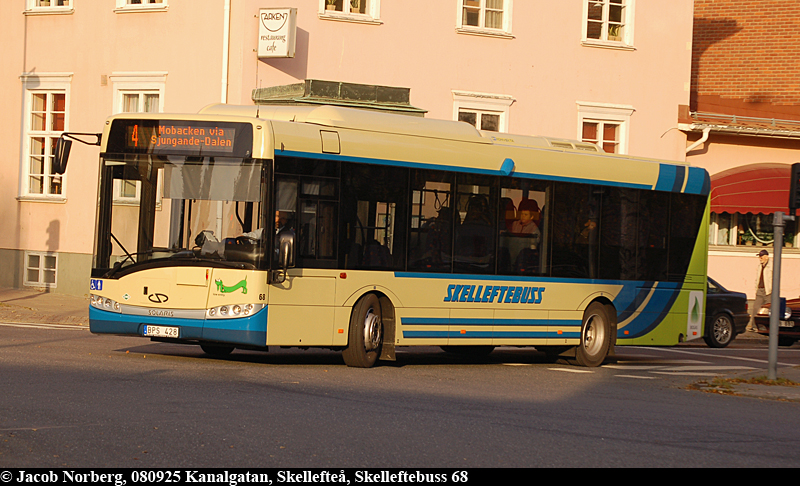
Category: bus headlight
[235,310]
[787,314]
[104,303]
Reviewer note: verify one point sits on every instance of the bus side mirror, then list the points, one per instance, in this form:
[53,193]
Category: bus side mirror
[63,147]
[286,251]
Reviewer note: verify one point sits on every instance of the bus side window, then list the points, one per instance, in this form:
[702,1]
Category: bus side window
[575,230]
[431,228]
[522,227]
[652,233]
[686,215]
[618,255]
[373,216]
[476,203]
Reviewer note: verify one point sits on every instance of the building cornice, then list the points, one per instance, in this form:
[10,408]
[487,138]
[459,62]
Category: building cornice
[742,126]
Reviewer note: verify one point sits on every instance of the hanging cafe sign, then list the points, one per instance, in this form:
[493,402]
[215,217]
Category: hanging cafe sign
[277,31]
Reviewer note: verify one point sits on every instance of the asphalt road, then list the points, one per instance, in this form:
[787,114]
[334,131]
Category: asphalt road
[73,399]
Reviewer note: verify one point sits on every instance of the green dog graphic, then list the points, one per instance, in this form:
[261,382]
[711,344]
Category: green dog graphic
[226,290]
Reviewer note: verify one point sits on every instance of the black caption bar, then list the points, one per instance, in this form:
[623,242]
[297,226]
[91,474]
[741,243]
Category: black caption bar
[240,477]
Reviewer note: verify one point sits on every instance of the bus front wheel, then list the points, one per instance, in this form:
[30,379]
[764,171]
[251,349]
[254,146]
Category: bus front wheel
[595,336]
[366,333]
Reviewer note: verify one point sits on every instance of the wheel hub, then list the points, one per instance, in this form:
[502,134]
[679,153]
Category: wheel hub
[722,332]
[372,331]
[593,335]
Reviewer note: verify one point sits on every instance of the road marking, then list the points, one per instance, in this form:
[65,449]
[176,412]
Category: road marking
[687,373]
[662,362]
[71,327]
[695,353]
[632,367]
[570,370]
[708,368]
[637,377]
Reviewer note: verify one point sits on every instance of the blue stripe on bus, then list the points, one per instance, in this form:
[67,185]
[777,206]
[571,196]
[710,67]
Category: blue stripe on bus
[500,330]
[671,179]
[508,278]
[629,300]
[450,168]
[445,321]
[489,335]
[699,182]
[666,177]
[250,330]
[653,313]
[680,175]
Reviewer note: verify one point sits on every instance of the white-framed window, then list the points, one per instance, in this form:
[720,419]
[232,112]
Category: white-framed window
[33,7]
[139,101]
[46,118]
[137,92]
[605,124]
[608,23]
[484,111]
[484,17]
[364,11]
[141,5]
[748,229]
[41,269]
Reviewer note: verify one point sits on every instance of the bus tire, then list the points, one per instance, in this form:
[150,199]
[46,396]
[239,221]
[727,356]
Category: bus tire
[595,336]
[366,333]
[217,350]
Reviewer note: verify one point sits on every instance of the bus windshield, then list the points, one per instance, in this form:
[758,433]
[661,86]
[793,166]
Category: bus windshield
[179,208]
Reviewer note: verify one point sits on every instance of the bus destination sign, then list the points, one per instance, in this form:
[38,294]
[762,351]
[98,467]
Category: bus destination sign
[177,137]
[180,137]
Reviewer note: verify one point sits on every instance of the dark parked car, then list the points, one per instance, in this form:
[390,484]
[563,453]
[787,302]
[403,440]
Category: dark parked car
[726,315]
[788,324]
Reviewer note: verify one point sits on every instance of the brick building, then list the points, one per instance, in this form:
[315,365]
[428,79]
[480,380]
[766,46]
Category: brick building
[743,126]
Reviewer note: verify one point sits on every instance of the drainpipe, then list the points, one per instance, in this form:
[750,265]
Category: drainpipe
[700,142]
[226,27]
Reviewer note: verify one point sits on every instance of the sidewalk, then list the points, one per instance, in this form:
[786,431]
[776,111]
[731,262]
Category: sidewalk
[32,306]
[40,307]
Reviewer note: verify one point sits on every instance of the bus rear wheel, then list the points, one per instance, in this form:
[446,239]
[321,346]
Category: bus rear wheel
[365,337]
[595,336]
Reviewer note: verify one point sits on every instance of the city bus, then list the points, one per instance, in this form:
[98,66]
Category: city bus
[362,231]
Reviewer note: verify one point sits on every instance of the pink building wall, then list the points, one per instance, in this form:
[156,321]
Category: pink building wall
[542,65]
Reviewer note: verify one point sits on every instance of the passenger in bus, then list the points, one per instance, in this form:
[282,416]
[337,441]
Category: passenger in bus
[508,214]
[440,236]
[474,238]
[528,218]
[281,221]
[478,210]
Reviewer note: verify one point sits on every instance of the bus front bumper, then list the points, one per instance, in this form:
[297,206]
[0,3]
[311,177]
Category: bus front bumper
[246,331]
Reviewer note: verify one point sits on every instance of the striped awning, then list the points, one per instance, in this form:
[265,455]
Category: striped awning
[754,188]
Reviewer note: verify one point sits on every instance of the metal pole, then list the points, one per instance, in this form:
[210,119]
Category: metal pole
[775,304]
[778,222]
